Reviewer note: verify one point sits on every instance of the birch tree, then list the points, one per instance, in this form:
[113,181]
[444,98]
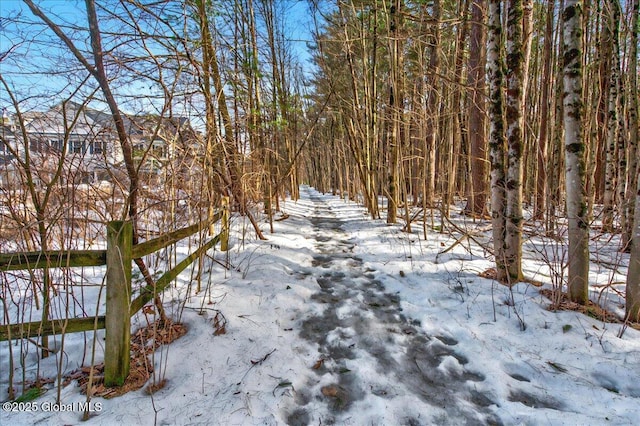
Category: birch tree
[497,138]
[514,117]
[577,212]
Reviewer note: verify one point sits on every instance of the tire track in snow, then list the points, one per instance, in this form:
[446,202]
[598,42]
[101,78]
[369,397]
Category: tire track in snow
[361,329]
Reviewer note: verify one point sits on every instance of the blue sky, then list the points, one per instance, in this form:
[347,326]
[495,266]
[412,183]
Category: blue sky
[31,57]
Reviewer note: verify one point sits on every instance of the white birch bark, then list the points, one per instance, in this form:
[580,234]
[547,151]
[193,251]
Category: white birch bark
[497,139]
[514,117]
[577,212]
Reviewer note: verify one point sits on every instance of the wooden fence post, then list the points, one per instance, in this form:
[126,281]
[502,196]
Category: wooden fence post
[118,321]
[224,234]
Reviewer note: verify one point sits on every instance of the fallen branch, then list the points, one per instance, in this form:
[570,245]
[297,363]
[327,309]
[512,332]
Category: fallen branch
[253,364]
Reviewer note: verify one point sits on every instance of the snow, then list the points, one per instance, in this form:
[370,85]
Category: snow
[337,319]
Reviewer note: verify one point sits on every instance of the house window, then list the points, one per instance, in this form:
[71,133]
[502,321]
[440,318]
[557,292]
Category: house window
[159,149]
[5,152]
[97,147]
[138,150]
[56,145]
[36,145]
[77,147]
[46,145]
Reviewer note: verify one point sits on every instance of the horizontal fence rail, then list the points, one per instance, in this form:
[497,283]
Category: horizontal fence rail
[52,259]
[148,292]
[153,245]
[119,306]
[51,327]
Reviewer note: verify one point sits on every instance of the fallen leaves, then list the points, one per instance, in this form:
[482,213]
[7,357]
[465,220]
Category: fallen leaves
[491,274]
[331,391]
[219,324]
[143,343]
[562,303]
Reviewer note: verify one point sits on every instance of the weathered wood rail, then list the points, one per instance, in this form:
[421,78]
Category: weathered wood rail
[119,307]
[52,259]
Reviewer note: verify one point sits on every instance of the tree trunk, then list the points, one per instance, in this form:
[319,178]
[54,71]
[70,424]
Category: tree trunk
[556,163]
[431,128]
[229,147]
[545,117]
[514,116]
[577,211]
[456,119]
[633,275]
[396,102]
[632,182]
[362,125]
[497,138]
[612,25]
[477,189]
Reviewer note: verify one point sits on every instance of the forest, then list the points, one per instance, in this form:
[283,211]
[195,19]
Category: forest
[521,115]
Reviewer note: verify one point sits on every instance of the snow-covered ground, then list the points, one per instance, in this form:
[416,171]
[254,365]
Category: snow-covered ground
[337,319]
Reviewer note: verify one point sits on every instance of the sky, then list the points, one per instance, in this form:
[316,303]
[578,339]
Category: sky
[40,60]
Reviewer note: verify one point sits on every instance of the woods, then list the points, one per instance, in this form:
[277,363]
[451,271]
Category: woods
[540,106]
[522,114]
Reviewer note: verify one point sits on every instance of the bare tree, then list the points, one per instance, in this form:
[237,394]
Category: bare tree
[612,29]
[433,90]
[497,136]
[545,116]
[232,180]
[577,211]
[477,190]
[630,204]
[515,142]
[633,274]
[396,106]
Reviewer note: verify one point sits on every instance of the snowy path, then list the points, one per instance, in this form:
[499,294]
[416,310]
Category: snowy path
[368,346]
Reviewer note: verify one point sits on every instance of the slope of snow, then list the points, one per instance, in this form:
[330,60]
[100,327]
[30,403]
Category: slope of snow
[337,319]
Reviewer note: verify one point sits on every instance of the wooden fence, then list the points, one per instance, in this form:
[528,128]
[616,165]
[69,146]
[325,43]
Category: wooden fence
[119,307]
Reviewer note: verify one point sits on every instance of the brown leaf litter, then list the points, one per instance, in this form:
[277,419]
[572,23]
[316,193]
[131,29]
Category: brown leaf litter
[561,302]
[143,343]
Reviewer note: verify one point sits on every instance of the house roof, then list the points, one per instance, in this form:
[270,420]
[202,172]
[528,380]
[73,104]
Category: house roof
[66,117]
[82,121]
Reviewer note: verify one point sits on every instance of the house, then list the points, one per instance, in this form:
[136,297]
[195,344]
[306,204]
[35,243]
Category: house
[7,140]
[85,142]
[158,140]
